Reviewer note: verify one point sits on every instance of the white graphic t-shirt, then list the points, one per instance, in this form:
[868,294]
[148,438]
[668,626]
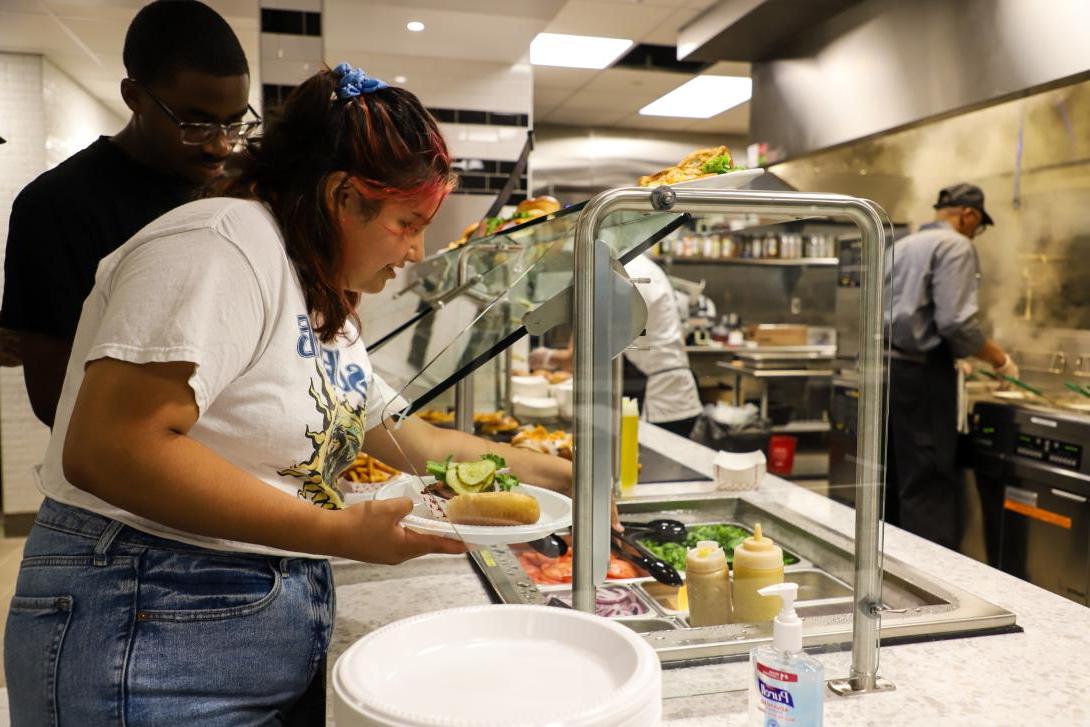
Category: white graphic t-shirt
[211,283]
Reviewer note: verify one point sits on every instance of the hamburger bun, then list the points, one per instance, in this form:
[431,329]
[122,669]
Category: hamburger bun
[545,203]
[493,508]
[531,214]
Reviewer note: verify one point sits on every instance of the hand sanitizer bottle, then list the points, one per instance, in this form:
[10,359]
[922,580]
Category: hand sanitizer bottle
[788,685]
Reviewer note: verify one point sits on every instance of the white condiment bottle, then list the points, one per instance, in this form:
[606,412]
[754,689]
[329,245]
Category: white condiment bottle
[707,582]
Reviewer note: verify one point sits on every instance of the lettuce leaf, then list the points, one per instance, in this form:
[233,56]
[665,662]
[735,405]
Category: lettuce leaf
[499,461]
[438,469]
[718,165]
[505,481]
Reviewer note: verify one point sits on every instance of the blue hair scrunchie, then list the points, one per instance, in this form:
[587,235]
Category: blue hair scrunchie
[354,81]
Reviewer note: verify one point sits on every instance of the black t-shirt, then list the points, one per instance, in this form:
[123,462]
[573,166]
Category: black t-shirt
[68,219]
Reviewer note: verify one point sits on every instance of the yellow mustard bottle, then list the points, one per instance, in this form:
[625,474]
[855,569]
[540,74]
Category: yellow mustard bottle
[630,444]
[707,583]
[758,562]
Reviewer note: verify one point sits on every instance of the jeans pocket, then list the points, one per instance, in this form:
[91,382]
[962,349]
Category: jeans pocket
[181,587]
[32,644]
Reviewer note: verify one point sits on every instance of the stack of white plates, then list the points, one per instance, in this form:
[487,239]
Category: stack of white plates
[535,407]
[499,666]
[532,387]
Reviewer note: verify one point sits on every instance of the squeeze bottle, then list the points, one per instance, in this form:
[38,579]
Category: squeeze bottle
[758,562]
[630,444]
[708,584]
[787,685]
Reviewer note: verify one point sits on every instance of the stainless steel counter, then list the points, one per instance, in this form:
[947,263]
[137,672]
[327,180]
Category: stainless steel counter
[987,680]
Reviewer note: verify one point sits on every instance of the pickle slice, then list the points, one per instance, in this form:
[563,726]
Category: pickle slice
[456,484]
[477,474]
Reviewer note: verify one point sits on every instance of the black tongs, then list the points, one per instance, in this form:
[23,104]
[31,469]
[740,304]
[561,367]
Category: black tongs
[626,547]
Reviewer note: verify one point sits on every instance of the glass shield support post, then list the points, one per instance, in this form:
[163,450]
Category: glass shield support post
[463,390]
[593,383]
[593,408]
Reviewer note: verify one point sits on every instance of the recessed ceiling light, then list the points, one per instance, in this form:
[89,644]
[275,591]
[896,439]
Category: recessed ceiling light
[576,51]
[400,79]
[702,97]
[415,26]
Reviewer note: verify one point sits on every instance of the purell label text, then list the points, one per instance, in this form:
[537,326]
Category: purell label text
[781,676]
[775,694]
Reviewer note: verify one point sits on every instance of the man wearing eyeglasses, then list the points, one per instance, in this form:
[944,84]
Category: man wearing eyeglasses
[187,89]
[933,276]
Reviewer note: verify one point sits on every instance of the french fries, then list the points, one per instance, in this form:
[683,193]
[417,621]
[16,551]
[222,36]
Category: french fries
[368,470]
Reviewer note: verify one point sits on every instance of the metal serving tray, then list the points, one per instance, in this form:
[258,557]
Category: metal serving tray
[923,608]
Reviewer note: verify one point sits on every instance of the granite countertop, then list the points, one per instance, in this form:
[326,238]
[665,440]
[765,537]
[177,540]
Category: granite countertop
[1010,679]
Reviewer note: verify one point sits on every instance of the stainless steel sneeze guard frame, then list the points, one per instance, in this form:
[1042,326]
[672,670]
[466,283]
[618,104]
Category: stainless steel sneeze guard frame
[593,389]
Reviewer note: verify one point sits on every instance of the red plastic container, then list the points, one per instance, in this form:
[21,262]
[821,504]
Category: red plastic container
[781,454]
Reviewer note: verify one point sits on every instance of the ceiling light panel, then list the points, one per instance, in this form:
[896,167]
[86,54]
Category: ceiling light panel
[702,97]
[576,51]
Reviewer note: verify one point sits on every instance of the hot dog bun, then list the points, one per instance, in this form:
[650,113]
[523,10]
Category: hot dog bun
[493,508]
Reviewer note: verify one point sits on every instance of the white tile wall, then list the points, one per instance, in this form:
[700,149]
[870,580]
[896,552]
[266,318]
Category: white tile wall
[23,126]
[22,436]
[47,117]
[476,141]
[73,118]
[288,60]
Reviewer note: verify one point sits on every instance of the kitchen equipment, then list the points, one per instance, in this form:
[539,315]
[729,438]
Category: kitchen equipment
[659,569]
[1011,380]
[663,530]
[1033,474]
[551,545]
[1077,388]
[931,608]
[485,666]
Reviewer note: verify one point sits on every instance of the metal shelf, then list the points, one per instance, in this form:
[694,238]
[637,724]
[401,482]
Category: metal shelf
[801,427]
[777,373]
[771,262]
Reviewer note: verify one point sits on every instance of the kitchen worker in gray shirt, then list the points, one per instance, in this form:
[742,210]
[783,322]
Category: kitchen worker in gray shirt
[933,276]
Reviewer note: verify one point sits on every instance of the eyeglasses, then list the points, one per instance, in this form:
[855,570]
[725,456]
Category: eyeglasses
[195,133]
[981,226]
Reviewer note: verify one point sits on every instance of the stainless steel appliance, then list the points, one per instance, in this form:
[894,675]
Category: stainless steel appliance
[1033,471]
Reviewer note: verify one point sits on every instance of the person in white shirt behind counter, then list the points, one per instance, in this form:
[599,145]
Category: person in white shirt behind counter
[656,367]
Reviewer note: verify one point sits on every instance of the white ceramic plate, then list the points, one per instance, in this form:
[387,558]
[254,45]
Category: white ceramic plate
[730,180]
[501,665]
[555,515]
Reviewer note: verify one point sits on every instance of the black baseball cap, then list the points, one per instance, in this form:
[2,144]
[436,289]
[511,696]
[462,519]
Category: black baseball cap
[964,195]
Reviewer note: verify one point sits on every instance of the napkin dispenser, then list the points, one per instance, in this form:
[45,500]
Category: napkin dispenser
[739,470]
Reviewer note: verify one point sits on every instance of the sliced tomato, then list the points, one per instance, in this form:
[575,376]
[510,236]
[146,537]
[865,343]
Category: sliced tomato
[536,558]
[558,572]
[620,568]
[532,571]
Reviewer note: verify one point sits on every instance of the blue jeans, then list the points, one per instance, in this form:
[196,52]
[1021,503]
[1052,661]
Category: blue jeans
[111,626]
